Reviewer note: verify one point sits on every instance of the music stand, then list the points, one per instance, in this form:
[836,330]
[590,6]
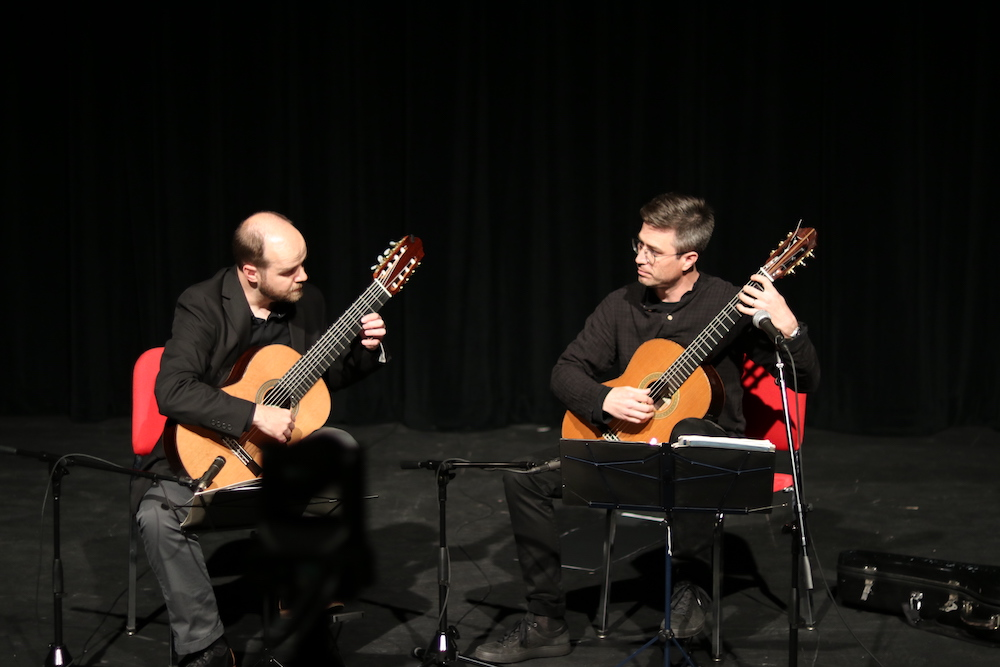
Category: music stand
[698,473]
[442,649]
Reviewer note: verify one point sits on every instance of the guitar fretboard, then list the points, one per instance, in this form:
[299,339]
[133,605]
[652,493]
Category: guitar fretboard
[310,367]
[695,354]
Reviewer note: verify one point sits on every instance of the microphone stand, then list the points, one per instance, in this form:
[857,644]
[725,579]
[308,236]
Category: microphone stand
[801,574]
[442,649]
[58,655]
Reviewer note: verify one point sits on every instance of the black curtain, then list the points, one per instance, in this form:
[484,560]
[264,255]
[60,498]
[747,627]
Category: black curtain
[518,141]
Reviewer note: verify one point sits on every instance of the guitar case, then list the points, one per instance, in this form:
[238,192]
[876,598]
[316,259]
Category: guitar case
[961,600]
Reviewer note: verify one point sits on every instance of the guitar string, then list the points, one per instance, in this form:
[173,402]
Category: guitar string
[313,364]
[315,357]
[308,368]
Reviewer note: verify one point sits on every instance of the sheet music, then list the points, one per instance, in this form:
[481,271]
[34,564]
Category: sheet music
[744,444]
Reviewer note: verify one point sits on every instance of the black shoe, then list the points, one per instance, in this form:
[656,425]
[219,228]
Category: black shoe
[527,640]
[217,655]
[687,610]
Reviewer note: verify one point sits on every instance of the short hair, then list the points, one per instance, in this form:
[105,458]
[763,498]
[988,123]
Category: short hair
[690,217]
[248,241]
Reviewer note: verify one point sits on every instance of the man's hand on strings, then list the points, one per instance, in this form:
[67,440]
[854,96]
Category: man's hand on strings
[273,421]
[629,404]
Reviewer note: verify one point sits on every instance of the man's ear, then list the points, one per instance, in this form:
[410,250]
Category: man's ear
[250,272]
[690,259]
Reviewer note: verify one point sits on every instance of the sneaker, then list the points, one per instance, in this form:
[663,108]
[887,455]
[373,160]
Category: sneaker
[527,640]
[687,610]
[217,655]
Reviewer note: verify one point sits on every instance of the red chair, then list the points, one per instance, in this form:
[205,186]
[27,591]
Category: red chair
[764,413]
[147,427]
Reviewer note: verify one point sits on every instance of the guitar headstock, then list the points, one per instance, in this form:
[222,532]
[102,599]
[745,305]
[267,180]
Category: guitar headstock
[790,253]
[398,262]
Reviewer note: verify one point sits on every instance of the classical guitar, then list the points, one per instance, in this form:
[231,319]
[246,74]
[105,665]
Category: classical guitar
[278,375]
[685,388]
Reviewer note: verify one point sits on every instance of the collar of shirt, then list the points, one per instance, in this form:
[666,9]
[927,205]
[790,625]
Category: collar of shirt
[651,304]
[272,330]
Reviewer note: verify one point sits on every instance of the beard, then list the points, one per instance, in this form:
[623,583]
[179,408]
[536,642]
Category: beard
[288,296]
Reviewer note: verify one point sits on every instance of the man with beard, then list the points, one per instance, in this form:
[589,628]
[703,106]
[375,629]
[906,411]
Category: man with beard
[262,300]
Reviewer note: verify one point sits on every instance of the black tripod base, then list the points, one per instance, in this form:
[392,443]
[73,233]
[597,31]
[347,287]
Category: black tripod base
[443,651]
[58,656]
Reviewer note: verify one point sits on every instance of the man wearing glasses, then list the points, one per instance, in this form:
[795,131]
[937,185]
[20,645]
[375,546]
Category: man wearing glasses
[673,300]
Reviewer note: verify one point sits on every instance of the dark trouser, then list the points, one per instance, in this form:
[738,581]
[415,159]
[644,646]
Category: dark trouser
[533,518]
[531,501]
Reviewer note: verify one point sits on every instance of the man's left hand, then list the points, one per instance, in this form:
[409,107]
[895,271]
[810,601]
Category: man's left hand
[760,294]
[372,331]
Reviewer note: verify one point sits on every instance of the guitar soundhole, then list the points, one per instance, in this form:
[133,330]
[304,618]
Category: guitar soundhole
[664,406]
[264,392]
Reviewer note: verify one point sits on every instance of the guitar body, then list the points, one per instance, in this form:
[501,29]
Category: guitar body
[700,394]
[193,448]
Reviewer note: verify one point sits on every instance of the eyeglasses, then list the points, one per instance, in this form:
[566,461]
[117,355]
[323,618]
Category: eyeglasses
[651,257]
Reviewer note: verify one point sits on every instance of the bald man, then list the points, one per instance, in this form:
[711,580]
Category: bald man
[263,299]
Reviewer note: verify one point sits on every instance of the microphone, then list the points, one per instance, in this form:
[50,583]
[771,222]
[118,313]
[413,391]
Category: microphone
[210,474]
[554,464]
[762,320]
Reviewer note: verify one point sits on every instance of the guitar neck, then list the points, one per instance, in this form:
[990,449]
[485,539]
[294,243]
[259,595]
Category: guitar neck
[701,347]
[305,372]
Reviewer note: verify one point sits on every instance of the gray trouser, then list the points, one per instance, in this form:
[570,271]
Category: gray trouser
[177,561]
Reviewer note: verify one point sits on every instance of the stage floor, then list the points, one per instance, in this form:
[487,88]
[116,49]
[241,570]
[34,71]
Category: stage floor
[932,496]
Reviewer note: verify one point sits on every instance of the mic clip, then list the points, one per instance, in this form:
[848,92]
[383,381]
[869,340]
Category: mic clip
[554,464]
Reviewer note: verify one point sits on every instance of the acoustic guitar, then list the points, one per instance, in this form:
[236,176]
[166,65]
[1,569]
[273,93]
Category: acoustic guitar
[278,375]
[685,388]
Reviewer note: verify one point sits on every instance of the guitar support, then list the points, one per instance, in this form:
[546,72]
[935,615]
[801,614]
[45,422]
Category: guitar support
[58,655]
[442,649]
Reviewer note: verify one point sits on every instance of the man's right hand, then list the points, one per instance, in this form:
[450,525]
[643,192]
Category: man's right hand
[629,404]
[275,422]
